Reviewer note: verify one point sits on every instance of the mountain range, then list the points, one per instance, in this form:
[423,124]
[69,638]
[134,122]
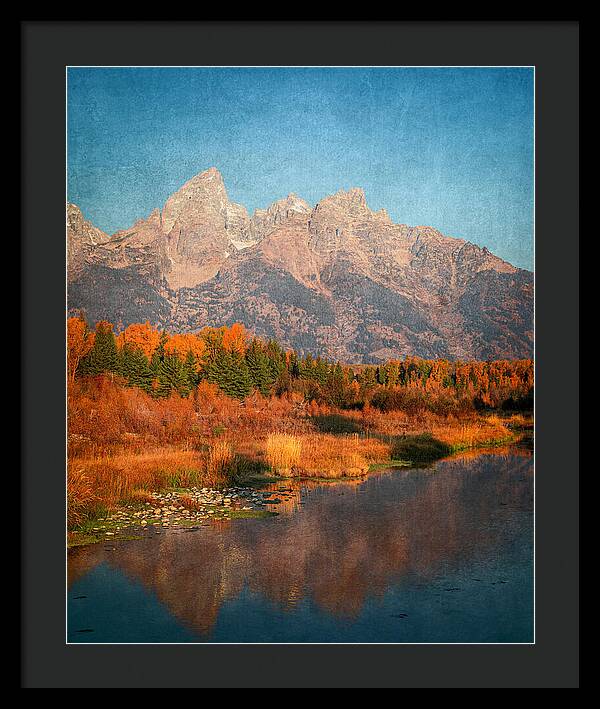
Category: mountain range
[335,278]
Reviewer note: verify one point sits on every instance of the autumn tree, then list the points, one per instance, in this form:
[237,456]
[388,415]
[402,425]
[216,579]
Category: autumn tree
[184,344]
[235,339]
[79,343]
[229,358]
[140,336]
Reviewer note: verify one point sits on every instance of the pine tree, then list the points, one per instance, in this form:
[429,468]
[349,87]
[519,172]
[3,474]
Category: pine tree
[283,383]
[172,376]
[103,357]
[321,370]
[135,368]
[277,359]
[259,367]
[294,367]
[336,386]
[229,371]
[191,370]
[158,355]
[307,367]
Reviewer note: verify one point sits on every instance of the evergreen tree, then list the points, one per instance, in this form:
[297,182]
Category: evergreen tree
[336,386]
[172,376]
[283,383]
[135,368]
[321,370]
[294,367]
[103,357]
[260,367]
[307,367]
[191,370]
[276,359]
[158,355]
[229,371]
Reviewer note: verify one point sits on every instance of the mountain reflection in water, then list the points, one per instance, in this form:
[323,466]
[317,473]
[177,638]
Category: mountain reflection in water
[453,542]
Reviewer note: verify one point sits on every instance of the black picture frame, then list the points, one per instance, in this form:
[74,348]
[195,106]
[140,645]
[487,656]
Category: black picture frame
[47,48]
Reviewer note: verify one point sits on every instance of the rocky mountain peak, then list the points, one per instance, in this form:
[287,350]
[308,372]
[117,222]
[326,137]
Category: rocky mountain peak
[82,240]
[266,220]
[83,230]
[353,200]
[154,217]
[294,203]
[211,177]
[340,214]
[344,207]
[338,278]
[201,196]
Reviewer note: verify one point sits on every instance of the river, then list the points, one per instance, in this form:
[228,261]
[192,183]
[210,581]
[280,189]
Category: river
[442,554]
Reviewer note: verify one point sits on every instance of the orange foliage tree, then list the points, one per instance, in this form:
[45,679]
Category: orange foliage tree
[183,344]
[235,338]
[79,342]
[141,336]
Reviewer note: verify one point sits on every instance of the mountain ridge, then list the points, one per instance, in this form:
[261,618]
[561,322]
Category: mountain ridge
[337,278]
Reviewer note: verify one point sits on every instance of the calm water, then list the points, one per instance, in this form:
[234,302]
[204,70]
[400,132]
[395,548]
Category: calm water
[443,554]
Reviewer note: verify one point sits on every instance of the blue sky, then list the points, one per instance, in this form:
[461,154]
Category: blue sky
[448,148]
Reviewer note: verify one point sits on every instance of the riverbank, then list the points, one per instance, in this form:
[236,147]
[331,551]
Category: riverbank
[167,489]
[173,509]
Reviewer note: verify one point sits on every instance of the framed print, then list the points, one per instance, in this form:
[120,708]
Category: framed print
[301,404]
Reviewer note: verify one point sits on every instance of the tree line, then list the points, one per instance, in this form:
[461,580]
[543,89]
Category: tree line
[239,363]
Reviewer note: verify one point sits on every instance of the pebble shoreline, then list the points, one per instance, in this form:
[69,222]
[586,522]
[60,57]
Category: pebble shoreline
[167,511]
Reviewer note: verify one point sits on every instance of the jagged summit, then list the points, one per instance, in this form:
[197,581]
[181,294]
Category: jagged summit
[204,196]
[353,200]
[211,176]
[336,277]
[348,205]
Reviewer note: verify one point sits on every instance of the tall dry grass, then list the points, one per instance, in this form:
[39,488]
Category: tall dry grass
[217,463]
[282,452]
[81,496]
[101,482]
[350,455]
[461,436]
[323,455]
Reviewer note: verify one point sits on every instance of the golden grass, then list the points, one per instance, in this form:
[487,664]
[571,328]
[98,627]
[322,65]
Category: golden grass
[103,481]
[80,495]
[324,455]
[282,452]
[460,436]
[217,460]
